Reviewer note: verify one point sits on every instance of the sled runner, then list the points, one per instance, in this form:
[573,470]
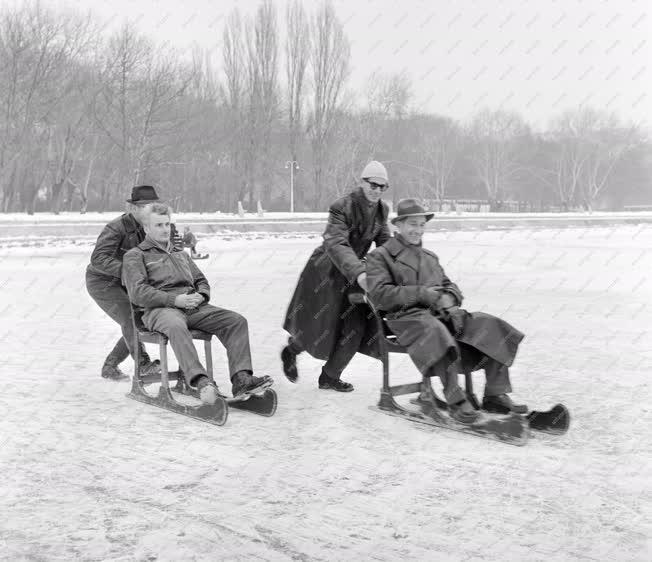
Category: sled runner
[214,413]
[199,256]
[510,428]
[262,400]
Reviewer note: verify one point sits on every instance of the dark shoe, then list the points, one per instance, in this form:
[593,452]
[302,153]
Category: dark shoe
[502,404]
[327,383]
[432,398]
[112,372]
[464,412]
[150,367]
[246,383]
[289,361]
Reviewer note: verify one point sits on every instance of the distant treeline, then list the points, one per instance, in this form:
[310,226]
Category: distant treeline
[84,115]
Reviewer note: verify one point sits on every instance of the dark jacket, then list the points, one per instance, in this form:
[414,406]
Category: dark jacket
[398,276]
[117,237]
[189,239]
[154,276]
[314,314]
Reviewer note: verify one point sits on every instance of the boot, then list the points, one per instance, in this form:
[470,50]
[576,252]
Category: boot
[464,412]
[112,372]
[289,361]
[208,391]
[327,383]
[245,383]
[426,397]
[502,404]
[149,367]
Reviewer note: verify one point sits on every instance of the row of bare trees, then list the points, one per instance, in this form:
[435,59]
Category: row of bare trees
[84,115]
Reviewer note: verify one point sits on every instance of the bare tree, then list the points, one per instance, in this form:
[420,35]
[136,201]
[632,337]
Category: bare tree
[141,110]
[262,51]
[296,61]
[233,60]
[330,51]
[40,54]
[442,149]
[494,154]
[387,102]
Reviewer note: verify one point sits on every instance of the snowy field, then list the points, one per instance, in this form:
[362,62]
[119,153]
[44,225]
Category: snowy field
[88,474]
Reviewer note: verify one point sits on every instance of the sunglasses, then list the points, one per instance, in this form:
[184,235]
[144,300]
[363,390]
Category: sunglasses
[374,186]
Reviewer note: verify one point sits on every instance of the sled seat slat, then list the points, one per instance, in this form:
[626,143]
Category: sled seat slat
[401,389]
[388,343]
[147,336]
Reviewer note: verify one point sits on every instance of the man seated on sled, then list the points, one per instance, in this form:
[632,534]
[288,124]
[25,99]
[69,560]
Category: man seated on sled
[174,293]
[422,308]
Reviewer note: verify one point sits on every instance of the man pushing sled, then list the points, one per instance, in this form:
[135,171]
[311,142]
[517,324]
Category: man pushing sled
[422,308]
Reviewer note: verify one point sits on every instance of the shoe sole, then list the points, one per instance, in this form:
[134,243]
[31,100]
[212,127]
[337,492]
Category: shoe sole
[467,421]
[503,410]
[265,384]
[329,387]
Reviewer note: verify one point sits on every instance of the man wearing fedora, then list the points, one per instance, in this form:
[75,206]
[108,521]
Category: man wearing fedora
[422,308]
[319,318]
[104,284]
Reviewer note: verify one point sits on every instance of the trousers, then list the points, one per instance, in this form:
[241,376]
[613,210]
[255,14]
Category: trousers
[230,328]
[497,380]
[112,298]
[350,337]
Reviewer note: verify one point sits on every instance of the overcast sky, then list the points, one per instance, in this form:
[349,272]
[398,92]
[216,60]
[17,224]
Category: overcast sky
[538,57]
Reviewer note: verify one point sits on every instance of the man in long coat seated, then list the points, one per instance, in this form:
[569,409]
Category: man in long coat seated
[422,308]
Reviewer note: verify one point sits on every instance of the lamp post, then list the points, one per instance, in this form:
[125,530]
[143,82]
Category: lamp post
[292,165]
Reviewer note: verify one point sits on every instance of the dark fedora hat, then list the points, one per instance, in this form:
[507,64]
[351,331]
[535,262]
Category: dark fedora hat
[143,194]
[410,208]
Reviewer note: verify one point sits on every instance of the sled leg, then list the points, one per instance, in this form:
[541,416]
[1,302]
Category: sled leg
[470,395]
[208,352]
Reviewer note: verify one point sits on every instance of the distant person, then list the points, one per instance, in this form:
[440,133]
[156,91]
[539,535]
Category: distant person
[166,283]
[319,318]
[190,241]
[104,284]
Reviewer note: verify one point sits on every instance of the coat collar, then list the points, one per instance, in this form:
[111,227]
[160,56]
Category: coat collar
[149,244]
[131,224]
[360,202]
[404,252]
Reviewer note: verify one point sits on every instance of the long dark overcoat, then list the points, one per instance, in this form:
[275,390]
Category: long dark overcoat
[320,299]
[398,275]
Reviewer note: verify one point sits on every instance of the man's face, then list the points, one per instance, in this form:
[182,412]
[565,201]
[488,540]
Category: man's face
[412,229]
[158,228]
[138,211]
[373,189]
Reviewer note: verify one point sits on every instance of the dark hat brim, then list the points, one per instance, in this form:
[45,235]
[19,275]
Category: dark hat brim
[143,200]
[398,218]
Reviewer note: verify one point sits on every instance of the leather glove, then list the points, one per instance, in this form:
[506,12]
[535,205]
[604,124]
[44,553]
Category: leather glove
[455,316]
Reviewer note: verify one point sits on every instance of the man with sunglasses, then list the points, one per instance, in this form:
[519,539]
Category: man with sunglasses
[320,319]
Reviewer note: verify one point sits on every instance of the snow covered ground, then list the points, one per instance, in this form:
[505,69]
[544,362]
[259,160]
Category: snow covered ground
[89,475]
